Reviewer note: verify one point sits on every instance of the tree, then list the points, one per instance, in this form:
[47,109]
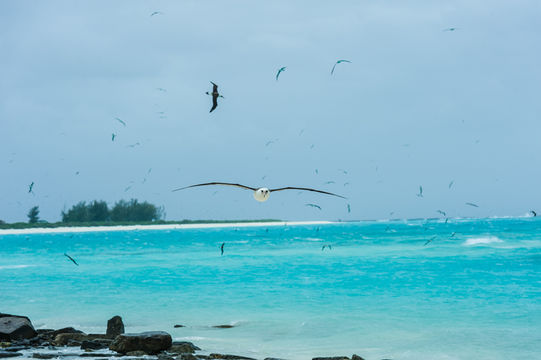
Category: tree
[133,210]
[98,211]
[33,215]
[77,213]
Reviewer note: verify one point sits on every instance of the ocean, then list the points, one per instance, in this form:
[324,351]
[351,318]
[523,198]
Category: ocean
[377,288]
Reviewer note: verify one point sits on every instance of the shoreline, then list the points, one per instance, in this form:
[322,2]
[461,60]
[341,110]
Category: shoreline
[84,229]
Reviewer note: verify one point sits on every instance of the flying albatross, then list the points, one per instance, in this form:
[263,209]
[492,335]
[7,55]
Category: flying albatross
[215,96]
[263,193]
[283,68]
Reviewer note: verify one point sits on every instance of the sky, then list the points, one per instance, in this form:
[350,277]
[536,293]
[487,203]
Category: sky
[417,106]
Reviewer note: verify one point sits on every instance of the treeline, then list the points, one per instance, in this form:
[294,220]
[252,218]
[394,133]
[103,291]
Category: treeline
[122,211]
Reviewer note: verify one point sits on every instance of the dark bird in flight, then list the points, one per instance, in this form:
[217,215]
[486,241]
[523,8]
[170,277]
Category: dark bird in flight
[442,212]
[329,182]
[472,204]
[451,183]
[161,89]
[323,247]
[338,62]
[349,208]
[452,234]
[533,213]
[120,121]
[215,96]
[113,136]
[72,259]
[429,240]
[222,248]
[420,194]
[263,193]
[270,142]
[314,206]
[450,29]
[30,187]
[156,13]
[283,68]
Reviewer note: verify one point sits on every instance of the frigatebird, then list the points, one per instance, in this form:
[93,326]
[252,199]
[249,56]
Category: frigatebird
[314,206]
[338,62]
[283,68]
[263,193]
[420,194]
[222,248]
[72,259]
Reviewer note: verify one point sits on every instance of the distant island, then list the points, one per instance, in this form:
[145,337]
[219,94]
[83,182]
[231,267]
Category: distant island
[97,213]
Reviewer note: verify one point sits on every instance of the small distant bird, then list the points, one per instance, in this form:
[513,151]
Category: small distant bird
[446,220]
[328,246]
[77,173]
[314,206]
[344,171]
[450,29]
[120,121]
[329,182]
[312,146]
[338,62]
[283,68]
[301,132]
[72,259]
[533,213]
[452,234]
[134,145]
[261,194]
[30,187]
[222,248]
[316,171]
[472,204]
[161,89]
[215,96]
[270,142]
[128,188]
[156,13]
[346,183]
[442,212]
[451,183]
[113,136]
[349,208]
[420,194]
[430,240]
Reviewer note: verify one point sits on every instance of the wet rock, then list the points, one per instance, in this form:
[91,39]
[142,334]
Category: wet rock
[15,327]
[150,342]
[115,326]
[43,356]
[183,347]
[92,345]
[223,326]
[67,330]
[178,326]
[93,354]
[356,357]
[331,358]
[7,354]
[270,358]
[136,353]
[186,357]
[65,338]
[229,357]
[165,357]
[16,348]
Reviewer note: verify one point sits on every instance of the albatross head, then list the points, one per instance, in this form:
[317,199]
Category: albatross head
[262,194]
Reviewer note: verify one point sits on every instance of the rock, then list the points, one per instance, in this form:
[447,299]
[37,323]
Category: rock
[67,330]
[223,326]
[16,348]
[93,354]
[186,357]
[178,326]
[7,354]
[273,359]
[229,357]
[43,356]
[331,358]
[150,342]
[356,357]
[136,353]
[64,339]
[14,327]
[183,347]
[92,345]
[165,357]
[115,326]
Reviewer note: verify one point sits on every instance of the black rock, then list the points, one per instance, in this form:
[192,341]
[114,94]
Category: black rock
[229,357]
[67,330]
[44,356]
[356,357]
[92,345]
[273,359]
[7,354]
[115,326]
[183,347]
[178,326]
[150,342]
[223,326]
[14,327]
[187,357]
[331,358]
[16,348]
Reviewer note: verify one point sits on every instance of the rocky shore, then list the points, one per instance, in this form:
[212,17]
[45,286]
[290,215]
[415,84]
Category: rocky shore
[18,338]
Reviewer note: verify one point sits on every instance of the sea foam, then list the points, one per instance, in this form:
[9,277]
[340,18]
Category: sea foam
[482,241]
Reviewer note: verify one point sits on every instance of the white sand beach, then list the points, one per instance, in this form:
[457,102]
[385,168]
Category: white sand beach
[81,229]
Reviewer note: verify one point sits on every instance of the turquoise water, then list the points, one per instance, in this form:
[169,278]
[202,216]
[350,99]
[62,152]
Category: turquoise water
[379,292]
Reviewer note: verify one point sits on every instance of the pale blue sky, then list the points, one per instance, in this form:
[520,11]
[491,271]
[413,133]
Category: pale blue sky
[417,106]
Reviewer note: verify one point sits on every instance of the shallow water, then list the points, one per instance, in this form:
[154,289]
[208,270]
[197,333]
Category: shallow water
[378,292]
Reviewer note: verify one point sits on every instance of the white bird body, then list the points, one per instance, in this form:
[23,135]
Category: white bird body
[262,194]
